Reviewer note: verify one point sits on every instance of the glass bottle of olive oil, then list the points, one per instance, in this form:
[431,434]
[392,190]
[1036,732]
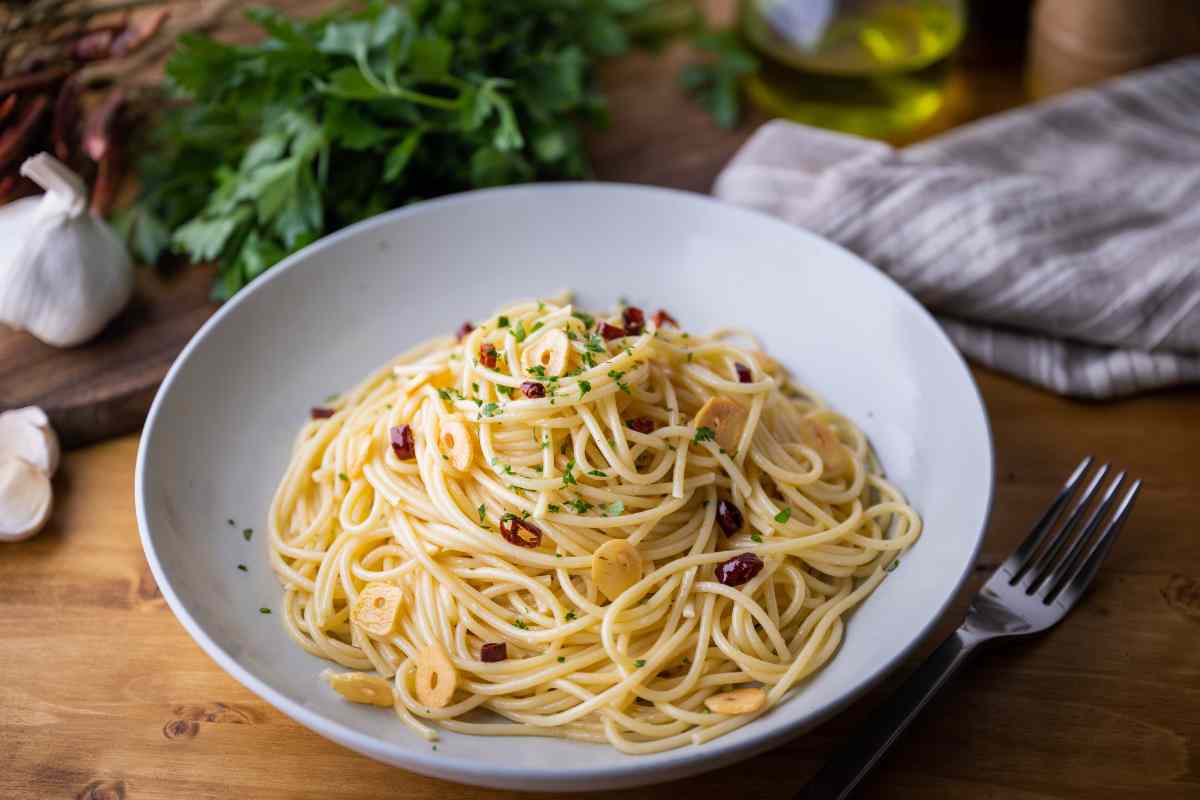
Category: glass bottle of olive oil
[871,67]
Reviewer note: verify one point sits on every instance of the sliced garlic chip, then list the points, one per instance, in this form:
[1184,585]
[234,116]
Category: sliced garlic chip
[551,352]
[26,433]
[739,701]
[820,437]
[455,441]
[25,498]
[725,418]
[616,565]
[377,608]
[436,676]
[361,687]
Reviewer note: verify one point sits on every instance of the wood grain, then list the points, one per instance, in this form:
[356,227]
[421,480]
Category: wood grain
[103,695]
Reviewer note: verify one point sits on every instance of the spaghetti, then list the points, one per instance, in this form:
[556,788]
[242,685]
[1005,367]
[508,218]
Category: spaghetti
[599,528]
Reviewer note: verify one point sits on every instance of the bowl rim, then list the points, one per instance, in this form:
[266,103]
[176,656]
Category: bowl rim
[646,769]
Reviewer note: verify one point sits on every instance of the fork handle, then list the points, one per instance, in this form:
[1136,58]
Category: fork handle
[839,777]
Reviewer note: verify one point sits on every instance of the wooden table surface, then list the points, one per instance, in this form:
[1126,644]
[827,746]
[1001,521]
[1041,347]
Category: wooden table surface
[103,694]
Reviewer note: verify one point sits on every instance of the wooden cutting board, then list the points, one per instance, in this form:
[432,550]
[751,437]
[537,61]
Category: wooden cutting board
[104,387]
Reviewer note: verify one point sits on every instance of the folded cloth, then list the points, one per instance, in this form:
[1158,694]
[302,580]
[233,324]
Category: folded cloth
[1059,242]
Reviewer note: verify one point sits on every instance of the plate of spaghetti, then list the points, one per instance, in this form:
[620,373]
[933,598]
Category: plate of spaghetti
[564,487]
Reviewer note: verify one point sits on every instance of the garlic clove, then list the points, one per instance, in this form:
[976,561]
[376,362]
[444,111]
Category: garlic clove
[25,499]
[26,433]
[64,273]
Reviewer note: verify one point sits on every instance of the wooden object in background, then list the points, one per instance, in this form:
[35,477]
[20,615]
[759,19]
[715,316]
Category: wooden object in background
[1080,42]
[103,388]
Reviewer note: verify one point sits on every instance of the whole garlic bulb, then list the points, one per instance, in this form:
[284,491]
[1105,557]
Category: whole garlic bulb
[64,273]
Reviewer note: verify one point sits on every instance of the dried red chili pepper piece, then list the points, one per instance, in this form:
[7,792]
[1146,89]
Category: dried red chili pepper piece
[739,569]
[487,355]
[403,443]
[729,517]
[743,373]
[519,532]
[610,332]
[320,412]
[464,329]
[641,425]
[661,317]
[533,389]
[635,320]
[493,651]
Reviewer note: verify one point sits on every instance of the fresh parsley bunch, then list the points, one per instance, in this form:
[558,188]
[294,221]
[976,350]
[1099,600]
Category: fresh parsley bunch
[329,121]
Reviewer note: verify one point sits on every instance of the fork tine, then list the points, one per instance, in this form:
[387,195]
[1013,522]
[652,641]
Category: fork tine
[1053,573]
[1074,585]
[1015,564]
[1063,534]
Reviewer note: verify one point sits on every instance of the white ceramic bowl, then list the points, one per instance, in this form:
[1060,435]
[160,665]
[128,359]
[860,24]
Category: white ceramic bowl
[220,429]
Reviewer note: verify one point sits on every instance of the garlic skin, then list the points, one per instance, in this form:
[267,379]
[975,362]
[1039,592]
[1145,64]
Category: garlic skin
[26,434]
[64,273]
[25,499]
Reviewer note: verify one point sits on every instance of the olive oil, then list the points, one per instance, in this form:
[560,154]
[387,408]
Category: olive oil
[871,67]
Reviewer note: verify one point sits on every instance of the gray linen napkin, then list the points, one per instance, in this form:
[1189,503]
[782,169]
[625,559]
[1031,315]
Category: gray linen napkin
[1059,242]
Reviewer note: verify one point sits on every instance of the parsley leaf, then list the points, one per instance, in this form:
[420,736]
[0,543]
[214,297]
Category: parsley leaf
[783,516]
[371,106]
[568,476]
[615,509]
[580,505]
[641,662]
[482,513]
[502,322]
[704,434]
[584,388]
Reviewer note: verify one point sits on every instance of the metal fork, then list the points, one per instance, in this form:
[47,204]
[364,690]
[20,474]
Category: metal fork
[1029,593]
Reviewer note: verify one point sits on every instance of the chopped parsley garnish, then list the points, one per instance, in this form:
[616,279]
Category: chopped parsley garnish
[541,306]
[597,473]
[507,391]
[520,623]
[568,477]
[243,568]
[580,505]
[545,442]
[704,434]
[584,388]
[757,537]
[587,319]
[615,509]
[264,610]
[450,394]
[562,659]
[554,508]
[247,533]
[616,375]
[490,410]
[595,344]
[502,322]
[588,360]
[641,662]
[895,563]
[570,616]
[518,332]
[344,476]
[474,388]
[538,371]
[482,513]
[535,327]
[783,516]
